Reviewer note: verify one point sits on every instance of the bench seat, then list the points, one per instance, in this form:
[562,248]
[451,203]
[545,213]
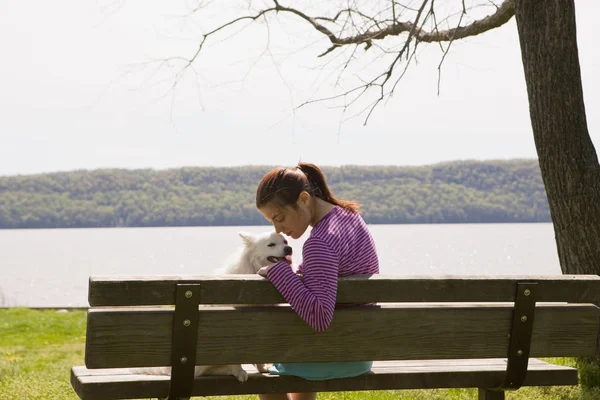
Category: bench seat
[105,384]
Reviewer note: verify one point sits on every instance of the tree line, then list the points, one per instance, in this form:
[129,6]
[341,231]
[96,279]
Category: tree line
[452,192]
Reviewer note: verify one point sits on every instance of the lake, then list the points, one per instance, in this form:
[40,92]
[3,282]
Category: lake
[51,267]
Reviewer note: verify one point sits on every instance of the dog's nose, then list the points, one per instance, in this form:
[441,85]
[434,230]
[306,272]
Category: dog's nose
[287,250]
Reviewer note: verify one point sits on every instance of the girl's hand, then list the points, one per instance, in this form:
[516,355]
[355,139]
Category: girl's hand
[263,271]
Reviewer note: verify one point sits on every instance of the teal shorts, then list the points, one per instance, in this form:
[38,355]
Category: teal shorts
[322,371]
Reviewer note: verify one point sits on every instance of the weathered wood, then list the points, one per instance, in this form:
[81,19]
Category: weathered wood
[226,335]
[471,320]
[118,384]
[244,289]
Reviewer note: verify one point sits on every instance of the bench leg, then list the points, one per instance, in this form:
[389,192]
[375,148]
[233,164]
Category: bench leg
[490,394]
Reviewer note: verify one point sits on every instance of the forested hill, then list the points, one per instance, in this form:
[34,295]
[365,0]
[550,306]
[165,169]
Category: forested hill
[455,192]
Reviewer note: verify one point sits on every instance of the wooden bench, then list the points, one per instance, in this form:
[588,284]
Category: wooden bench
[424,332]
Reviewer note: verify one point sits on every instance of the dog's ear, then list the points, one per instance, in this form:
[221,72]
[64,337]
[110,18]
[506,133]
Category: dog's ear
[248,238]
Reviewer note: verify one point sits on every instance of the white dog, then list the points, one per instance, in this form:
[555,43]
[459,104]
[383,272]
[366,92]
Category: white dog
[257,252]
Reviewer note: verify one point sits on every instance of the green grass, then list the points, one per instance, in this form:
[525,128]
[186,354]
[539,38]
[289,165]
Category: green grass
[38,349]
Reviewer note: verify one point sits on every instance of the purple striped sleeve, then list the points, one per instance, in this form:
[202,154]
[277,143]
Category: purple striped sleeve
[312,298]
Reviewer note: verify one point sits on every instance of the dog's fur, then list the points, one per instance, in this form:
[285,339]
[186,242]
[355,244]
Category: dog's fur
[257,252]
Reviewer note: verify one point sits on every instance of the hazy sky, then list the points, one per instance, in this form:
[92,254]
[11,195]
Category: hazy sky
[75,92]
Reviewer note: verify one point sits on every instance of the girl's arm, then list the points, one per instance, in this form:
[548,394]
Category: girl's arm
[312,298]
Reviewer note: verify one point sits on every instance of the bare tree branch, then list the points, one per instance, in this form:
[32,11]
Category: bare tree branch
[464,12]
[503,14]
[353,27]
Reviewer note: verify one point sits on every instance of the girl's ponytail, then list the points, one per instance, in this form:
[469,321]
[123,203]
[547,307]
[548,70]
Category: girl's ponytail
[320,189]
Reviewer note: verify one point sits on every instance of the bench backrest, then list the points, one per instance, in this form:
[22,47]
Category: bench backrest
[187,321]
[133,320]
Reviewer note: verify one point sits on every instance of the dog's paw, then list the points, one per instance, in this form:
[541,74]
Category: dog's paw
[263,368]
[241,375]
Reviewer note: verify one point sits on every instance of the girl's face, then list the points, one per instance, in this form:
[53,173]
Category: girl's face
[289,220]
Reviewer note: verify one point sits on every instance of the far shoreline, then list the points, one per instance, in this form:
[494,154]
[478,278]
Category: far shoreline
[267,225]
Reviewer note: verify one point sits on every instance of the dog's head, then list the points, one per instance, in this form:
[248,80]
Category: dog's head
[267,248]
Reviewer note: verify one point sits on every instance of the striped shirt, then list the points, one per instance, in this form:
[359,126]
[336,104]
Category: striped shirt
[339,245]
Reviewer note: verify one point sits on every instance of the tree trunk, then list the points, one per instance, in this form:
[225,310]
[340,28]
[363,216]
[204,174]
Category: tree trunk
[567,158]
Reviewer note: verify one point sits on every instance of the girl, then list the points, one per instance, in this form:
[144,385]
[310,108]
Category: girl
[339,244]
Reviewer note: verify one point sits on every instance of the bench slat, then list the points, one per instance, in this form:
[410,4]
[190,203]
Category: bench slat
[249,289]
[141,337]
[105,384]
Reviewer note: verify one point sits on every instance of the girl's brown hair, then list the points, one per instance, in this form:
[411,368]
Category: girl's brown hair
[282,187]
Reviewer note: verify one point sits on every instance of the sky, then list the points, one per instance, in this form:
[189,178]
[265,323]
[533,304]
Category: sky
[82,86]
